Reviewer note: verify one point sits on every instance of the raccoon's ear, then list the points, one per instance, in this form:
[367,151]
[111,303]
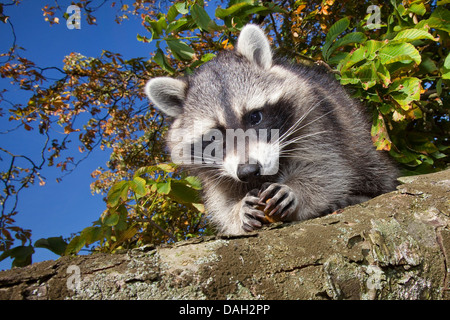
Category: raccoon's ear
[253,44]
[167,94]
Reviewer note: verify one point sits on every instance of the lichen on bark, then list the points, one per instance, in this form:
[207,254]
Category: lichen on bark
[395,246]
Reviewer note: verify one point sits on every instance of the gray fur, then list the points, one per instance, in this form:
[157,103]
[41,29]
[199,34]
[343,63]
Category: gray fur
[327,159]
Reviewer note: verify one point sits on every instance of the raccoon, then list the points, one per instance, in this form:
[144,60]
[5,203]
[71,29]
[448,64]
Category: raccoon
[312,152]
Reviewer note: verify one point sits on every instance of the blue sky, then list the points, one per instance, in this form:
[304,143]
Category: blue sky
[66,207]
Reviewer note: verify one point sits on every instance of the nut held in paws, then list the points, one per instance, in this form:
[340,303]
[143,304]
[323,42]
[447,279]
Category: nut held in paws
[267,219]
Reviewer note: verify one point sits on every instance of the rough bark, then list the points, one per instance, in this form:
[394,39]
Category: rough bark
[396,246]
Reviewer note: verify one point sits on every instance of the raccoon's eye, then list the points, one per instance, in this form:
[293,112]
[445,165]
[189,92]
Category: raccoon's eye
[255,117]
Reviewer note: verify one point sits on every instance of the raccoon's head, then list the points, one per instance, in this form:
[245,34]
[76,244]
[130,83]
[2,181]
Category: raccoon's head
[230,116]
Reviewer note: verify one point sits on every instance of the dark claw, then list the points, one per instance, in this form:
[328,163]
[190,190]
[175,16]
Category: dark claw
[250,216]
[278,199]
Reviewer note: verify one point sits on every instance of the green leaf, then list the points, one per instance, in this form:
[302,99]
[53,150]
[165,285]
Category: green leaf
[181,7]
[144,170]
[161,60]
[367,51]
[183,193]
[75,245]
[409,35]
[92,234]
[180,50]
[383,73]
[446,69]
[111,219]
[163,187]
[335,30]
[176,26]
[201,17]
[21,255]
[418,8]
[127,234]
[144,38]
[138,186]
[367,74]
[354,37]
[172,13]
[439,19]
[118,191]
[380,134]
[447,62]
[194,182]
[222,13]
[427,65]
[123,214]
[158,26]
[166,167]
[394,52]
[265,9]
[55,244]
[404,91]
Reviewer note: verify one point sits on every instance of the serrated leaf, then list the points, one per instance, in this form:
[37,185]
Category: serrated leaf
[417,8]
[161,60]
[335,30]
[222,13]
[200,17]
[409,35]
[367,75]
[118,191]
[166,167]
[138,186]
[394,52]
[354,37]
[404,91]
[172,13]
[439,19]
[141,171]
[180,50]
[380,136]
[368,51]
[383,73]
[158,26]
[176,26]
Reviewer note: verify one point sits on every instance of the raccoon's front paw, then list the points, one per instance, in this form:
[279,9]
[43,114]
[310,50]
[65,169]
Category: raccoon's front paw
[251,217]
[279,200]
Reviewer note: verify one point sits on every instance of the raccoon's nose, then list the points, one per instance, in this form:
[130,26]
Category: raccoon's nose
[246,172]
